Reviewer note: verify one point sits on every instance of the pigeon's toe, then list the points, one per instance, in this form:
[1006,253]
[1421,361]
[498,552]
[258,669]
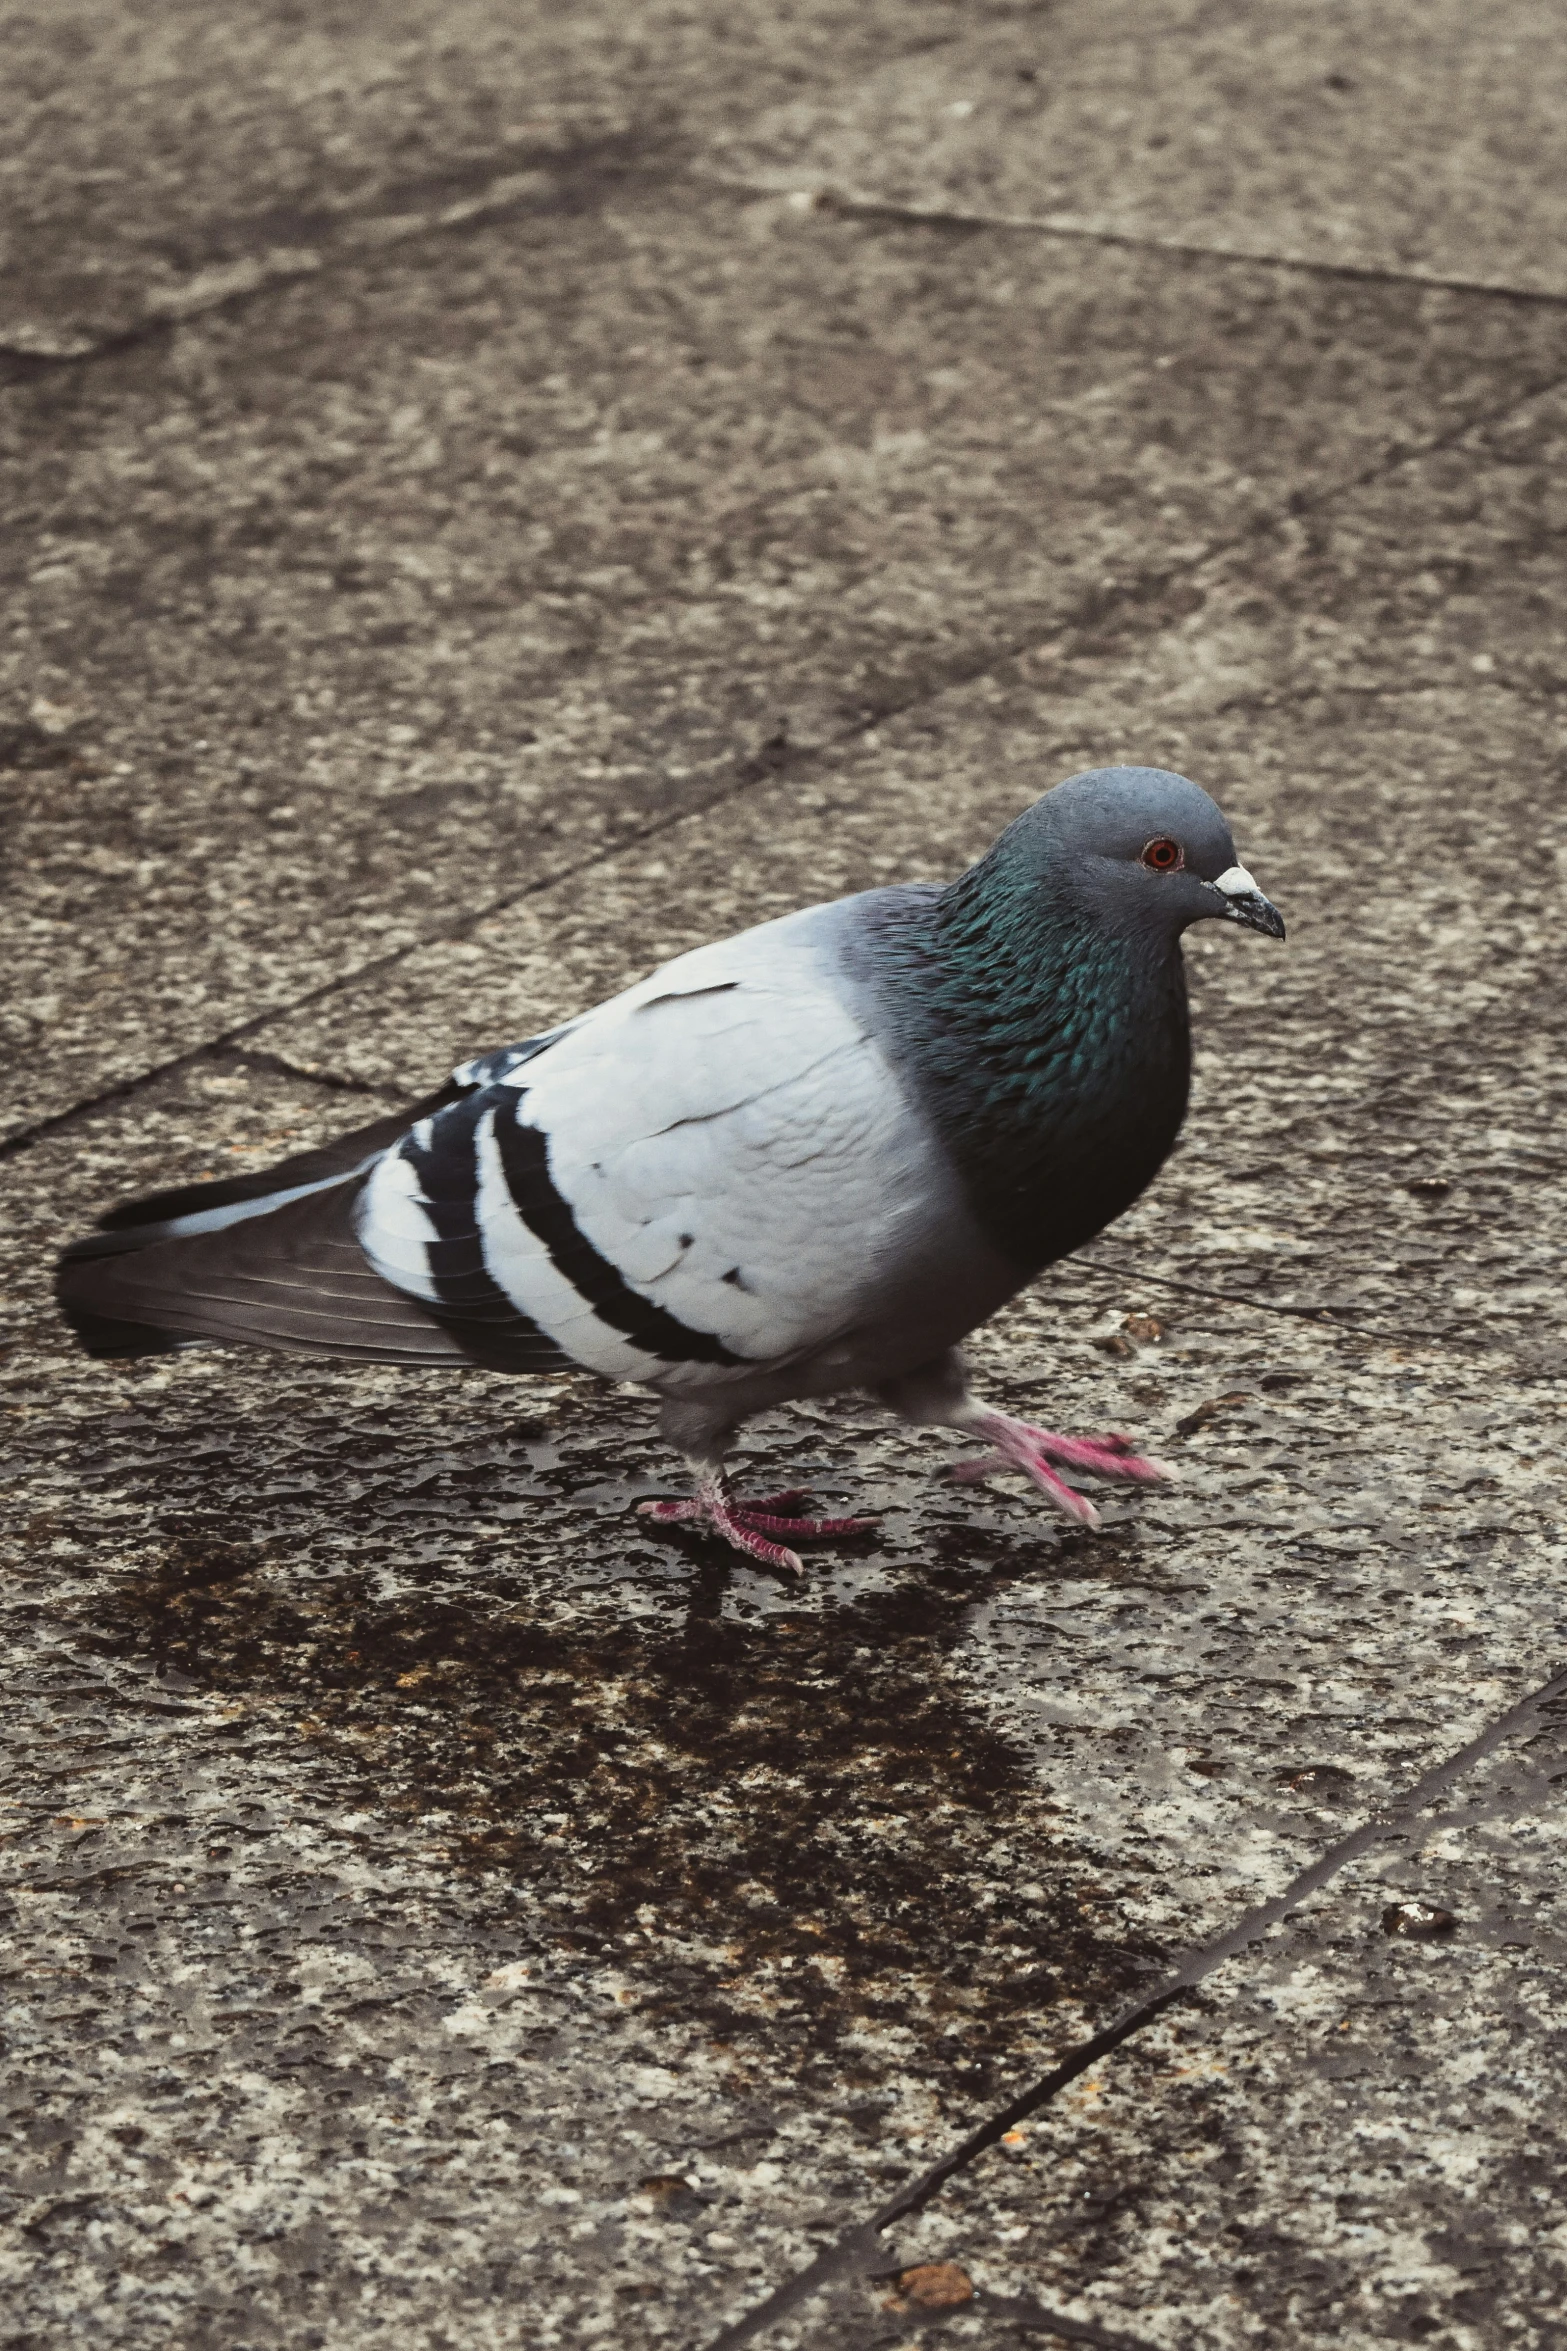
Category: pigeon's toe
[1041,1454]
[765,1518]
[1113,1456]
[753,1528]
[1017,1449]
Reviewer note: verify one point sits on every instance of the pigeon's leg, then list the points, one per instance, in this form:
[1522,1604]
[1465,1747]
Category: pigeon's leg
[751,1527]
[938,1395]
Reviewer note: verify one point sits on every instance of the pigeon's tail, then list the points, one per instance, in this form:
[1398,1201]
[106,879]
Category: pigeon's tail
[269,1260]
[291,1276]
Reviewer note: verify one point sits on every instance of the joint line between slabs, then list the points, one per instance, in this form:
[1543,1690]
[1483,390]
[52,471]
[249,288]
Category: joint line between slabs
[1322,1317]
[362,236]
[1032,2318]
[856,2249]
[860,204]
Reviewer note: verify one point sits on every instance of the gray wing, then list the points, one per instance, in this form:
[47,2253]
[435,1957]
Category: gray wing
[716,1171]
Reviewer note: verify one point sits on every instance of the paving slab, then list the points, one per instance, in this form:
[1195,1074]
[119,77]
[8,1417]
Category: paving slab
[1365,137]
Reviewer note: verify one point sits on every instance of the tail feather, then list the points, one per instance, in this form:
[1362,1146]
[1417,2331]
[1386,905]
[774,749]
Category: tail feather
[291,1277]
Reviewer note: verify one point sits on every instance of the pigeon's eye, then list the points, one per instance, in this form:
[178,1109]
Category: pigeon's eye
[1164,855]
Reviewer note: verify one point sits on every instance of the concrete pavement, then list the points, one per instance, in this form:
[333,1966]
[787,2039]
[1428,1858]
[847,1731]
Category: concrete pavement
[492,504]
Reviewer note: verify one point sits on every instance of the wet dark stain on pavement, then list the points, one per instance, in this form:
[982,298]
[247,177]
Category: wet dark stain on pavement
[791,1824]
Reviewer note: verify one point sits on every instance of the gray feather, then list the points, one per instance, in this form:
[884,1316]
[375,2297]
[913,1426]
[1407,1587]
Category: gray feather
[294,1278]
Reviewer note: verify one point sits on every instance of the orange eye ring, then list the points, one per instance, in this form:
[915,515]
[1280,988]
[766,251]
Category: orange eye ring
[1162,855]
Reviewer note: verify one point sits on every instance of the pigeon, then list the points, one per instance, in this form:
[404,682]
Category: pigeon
[807,1160]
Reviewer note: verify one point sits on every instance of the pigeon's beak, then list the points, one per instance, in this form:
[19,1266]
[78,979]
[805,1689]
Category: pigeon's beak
[1244,902]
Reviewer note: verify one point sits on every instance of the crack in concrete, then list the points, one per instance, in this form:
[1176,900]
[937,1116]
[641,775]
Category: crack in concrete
[857,2254]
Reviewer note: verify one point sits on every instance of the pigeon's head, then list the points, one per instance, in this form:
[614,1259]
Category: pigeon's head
[1146,850]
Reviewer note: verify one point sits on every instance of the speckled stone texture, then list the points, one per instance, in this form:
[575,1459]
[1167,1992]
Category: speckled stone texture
[495,498]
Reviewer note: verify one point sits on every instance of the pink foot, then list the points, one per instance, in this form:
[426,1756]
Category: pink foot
[1019,1445]
[748,1526]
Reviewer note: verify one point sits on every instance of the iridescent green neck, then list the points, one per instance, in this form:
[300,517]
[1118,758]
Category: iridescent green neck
[1051,1051]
